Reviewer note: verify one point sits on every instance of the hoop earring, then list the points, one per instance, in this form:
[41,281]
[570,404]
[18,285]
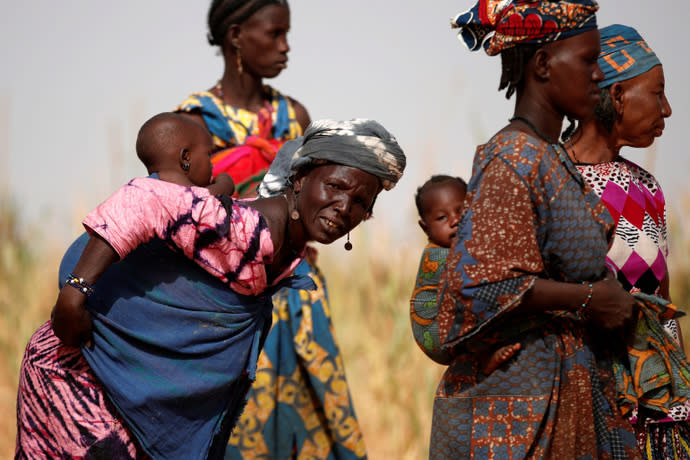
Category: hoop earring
[348,245]
[185,166]
[240,69]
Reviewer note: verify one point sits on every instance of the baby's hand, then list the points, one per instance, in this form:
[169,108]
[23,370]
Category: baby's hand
[500,356]
[222,183]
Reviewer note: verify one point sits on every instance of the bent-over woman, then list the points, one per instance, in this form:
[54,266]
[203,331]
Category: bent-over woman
[170,334]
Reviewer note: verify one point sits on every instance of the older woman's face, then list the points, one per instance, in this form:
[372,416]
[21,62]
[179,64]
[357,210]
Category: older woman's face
[263,41]
[334,199]
[643,108]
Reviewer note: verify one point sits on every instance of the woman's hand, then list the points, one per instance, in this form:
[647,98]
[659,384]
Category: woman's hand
[70,320]
[611,307]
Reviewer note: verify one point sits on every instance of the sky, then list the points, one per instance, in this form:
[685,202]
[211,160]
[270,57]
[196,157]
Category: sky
[80,76]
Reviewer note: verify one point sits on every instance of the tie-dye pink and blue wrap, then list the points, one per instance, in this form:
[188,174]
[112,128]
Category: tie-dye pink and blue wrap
[174,349]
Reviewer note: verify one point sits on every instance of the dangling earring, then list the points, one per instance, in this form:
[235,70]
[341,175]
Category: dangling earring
[240,69]
[348,245]
[294,214]
[185,166]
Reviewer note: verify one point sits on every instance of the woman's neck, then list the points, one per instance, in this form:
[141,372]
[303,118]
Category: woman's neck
[287,234]
[241,90]
[592,144]
[545,123]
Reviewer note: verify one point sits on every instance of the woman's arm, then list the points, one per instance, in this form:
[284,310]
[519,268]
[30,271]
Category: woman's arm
[610,306]
[301,114]
[70,320]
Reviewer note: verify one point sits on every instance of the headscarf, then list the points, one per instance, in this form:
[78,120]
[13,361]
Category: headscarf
[624,54]
[358,143]
[497,25]
[224,13]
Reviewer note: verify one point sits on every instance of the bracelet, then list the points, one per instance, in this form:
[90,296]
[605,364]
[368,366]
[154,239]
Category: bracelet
[590,286]
[80,284]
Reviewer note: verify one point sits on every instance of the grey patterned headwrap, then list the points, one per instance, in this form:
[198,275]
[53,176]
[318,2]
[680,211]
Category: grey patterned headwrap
[359,143]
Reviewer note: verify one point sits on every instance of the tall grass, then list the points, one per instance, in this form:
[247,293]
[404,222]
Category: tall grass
[28,286]
[391,380]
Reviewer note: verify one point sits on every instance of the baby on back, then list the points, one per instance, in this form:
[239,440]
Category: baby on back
[440,204]
[178,149]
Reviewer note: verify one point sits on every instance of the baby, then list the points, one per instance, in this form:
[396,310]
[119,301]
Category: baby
[178,149]
[440,203]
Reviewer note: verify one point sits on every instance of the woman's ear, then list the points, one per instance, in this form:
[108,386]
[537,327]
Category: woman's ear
[233,36]
[297,183]
[541,63]
[617,93]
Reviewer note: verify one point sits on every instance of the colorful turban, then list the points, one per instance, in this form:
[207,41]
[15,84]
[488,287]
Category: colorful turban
[501,24]
[360,143]
[624,54]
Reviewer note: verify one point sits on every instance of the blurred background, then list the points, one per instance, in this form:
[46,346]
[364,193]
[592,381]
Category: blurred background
[80,76]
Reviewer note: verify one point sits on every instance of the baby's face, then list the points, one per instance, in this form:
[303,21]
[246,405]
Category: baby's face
[201,148]
[442,206]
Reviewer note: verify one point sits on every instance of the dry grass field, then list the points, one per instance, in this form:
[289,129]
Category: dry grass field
[391,380]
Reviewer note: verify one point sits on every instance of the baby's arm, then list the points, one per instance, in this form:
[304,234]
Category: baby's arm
[222,184]
[70,320]
[216,233]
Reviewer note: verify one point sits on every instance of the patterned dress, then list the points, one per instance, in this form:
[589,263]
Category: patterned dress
[174,349]
[529,216]
[300,404]
[638,256]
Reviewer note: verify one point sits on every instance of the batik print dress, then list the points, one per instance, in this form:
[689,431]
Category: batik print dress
[175,342]
[296,408]
[638,256]
[529,216]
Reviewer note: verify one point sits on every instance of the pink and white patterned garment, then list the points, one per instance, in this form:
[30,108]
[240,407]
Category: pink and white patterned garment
[640,247]
[636,202]
[195,222]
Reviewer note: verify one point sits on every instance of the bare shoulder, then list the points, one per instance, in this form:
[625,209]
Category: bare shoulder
[301,113]
[273,211]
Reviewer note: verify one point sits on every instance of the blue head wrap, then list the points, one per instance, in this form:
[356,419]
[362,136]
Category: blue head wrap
[624,54]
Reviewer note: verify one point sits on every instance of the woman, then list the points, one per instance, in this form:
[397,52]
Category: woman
[528,264]
[173,349]
[631,113]
[249,121]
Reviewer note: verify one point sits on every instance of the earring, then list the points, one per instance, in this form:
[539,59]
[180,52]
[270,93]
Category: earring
[294,214]
[240,69]
[185,166]
[348,245]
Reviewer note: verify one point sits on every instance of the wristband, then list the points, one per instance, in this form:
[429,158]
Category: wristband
[590,287]
[80,284]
